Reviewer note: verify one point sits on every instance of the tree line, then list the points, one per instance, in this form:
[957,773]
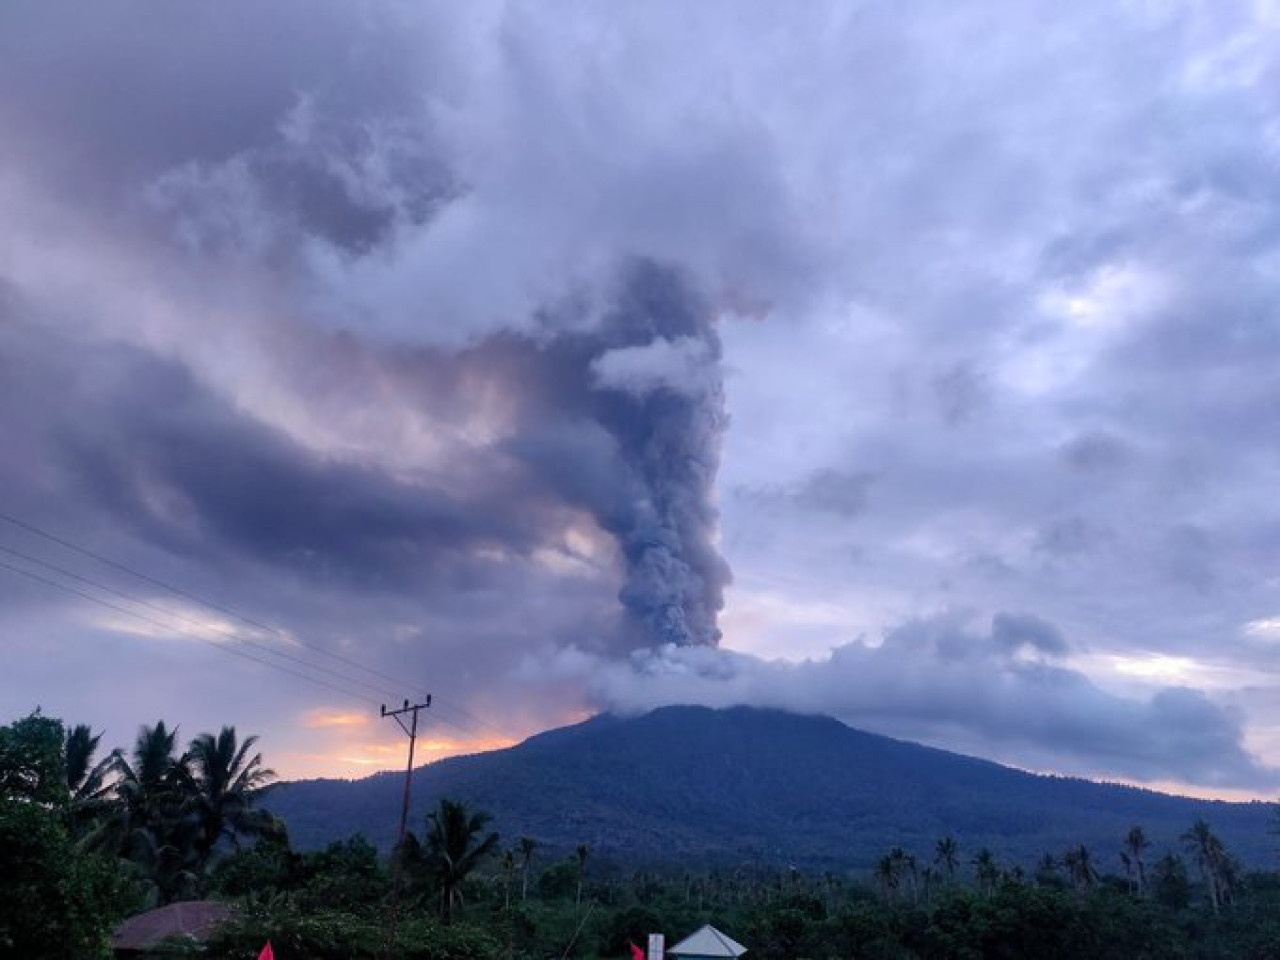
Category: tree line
[899,873]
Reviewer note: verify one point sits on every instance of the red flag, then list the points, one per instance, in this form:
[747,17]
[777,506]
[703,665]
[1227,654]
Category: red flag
[636,952]
[267,953]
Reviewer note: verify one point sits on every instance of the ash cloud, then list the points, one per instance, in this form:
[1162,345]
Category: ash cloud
[556,335]
[668,437]
[1006,692]
[639,445]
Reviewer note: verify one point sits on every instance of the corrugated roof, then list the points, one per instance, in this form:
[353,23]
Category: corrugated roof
[194,918]
[708,942]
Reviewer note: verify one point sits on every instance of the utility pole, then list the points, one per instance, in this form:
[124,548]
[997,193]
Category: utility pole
[411,731]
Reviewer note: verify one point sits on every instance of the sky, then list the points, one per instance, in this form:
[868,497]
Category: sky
[916,364]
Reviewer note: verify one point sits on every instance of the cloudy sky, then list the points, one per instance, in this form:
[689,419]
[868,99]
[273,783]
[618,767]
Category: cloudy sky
[913,363]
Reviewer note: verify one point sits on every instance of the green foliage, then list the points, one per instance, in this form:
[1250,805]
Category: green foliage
[268,865]
[326,934]
[31,760]
[786,928]
[170,816]
[221,787]
[1170,884]
[559,881]
[626,926]
[79,838]
[346,875]
[56,901]
[456,844]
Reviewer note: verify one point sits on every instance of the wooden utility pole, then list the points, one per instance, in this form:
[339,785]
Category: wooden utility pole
[397,853]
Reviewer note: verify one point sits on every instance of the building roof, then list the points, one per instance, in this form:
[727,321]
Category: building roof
[194,918]
[708,942]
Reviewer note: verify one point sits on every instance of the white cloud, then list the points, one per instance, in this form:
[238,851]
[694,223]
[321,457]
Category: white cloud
[679,365]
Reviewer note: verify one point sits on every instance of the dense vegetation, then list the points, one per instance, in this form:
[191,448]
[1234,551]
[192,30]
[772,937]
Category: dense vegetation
[943,903]
[714,788]
[83,842]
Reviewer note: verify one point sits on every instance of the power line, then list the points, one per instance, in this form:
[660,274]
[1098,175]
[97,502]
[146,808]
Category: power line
[230,612]
[178,591]
[217,628]
[345,691]
[466,714]
[170,627]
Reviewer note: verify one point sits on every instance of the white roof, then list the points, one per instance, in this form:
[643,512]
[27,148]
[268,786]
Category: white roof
[708,942]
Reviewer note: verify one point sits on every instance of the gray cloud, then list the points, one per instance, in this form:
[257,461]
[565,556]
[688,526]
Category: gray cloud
[941,682]
[468,298]
[1014,632]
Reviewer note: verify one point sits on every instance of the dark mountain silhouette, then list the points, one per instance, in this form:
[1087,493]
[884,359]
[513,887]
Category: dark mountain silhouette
[695,786]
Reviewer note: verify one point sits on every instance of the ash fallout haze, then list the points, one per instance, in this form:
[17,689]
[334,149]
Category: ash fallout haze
[913,364]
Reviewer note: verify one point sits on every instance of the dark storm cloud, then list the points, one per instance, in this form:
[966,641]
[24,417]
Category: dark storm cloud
[355,170]
[302,160]
[175,464]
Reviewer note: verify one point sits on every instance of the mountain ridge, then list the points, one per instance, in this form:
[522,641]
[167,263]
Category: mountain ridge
[698,786]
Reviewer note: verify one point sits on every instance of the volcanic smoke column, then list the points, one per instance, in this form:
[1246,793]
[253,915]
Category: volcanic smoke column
[658,390]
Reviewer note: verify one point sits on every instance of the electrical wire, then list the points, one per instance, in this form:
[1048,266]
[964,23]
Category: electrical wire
[178,591]
[224,609]
[170,627]
[216,628]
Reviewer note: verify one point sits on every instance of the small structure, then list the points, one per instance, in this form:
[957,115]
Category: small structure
[707,944]
[193,921]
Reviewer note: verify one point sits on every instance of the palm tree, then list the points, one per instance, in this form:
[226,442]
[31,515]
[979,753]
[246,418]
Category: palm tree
[987,870]
[886,874]
[905,866]
[88,789]
[1047,871]
[581,853]
[1135,843]
[928,880]
[1211,860]
[85,779]
[508,864]
[454,849]
[946,854]
[1169,884]
[225,783]
[151,780]
[526,846]
[1079,863]
[149,827]
[913,875]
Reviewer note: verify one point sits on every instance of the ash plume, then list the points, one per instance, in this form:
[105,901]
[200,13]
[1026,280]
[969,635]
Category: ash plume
[659,393]
[625,422]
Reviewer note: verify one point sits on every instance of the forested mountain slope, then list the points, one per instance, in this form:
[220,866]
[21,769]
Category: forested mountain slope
[696,786]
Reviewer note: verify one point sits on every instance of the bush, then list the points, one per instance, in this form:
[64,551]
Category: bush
[311,934]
